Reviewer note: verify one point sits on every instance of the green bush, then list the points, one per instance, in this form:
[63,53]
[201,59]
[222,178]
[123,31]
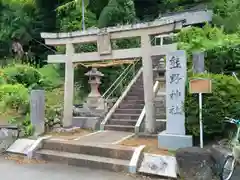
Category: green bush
[27,126]
[50,77]
[222,102]
[22,74]
[14,97]
[24,123]
[222,50]
[2,80]
[44,78]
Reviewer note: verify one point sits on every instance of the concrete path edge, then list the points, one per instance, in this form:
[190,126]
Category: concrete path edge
[36,145]
[133,165]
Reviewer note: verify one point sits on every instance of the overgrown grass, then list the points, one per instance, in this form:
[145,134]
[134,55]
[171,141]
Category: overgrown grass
[55,97]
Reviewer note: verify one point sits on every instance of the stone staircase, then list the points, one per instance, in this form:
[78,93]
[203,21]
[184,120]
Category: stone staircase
[114,158]
[126,115]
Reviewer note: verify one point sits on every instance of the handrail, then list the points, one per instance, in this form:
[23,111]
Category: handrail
[115,106]
[234,75]
[118,82]
[143,113]
[125,75]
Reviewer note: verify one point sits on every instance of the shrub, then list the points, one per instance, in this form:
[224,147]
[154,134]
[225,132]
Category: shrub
[2,80]
[50,77]
[224,101]
[53,116]
[24,123]
[14,97]
[222,50]
[22,74]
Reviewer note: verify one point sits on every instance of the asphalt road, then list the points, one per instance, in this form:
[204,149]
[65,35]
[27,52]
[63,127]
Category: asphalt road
[50,171]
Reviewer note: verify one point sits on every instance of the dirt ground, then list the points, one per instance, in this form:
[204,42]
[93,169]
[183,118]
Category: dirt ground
[151,145]
[20,159]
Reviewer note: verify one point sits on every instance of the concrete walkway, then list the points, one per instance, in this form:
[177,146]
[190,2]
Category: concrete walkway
[105,137]
[50,171]
[100,137]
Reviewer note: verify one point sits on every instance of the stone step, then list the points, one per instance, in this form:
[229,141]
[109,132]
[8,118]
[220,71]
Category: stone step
[119,128]
[115,151]
[139,81]
[125,116]
[137,84]
[124,122]
[128,111]
[136,97]
[125,105]
[133,101]
[84,160]
[137,88]
[136,93]
[161,116]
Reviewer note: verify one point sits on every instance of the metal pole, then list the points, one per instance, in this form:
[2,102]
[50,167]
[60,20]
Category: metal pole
[200,120]
[83,16]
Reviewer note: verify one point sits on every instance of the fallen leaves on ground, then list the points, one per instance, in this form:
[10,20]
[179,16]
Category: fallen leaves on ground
[24,160]
[150,142]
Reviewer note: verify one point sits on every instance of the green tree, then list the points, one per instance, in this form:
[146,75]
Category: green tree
[117,12]
[16,21]
[226,14]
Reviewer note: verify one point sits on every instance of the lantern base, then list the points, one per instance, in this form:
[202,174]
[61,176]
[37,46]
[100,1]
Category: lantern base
[95,102]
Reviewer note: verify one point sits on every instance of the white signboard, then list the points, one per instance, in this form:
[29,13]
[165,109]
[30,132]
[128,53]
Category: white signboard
[21,146]
[175,92]
[159,165]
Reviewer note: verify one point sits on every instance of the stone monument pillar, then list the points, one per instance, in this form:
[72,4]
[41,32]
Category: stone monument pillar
[37,111]
[94,99]
[176,74]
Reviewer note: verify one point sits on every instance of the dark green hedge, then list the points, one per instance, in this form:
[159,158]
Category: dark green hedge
[224,101]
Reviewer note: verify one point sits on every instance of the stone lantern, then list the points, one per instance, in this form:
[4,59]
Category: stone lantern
[94,99]
[160,69]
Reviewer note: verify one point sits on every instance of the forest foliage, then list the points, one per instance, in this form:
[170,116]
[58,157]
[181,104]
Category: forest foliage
[23,20]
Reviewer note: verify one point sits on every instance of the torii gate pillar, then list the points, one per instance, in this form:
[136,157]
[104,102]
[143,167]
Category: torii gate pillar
[148,84]
[68,87]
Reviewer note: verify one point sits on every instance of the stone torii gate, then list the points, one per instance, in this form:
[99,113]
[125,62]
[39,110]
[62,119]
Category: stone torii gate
[103,38]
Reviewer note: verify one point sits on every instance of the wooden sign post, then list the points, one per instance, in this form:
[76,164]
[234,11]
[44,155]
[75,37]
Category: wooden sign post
[200,86]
